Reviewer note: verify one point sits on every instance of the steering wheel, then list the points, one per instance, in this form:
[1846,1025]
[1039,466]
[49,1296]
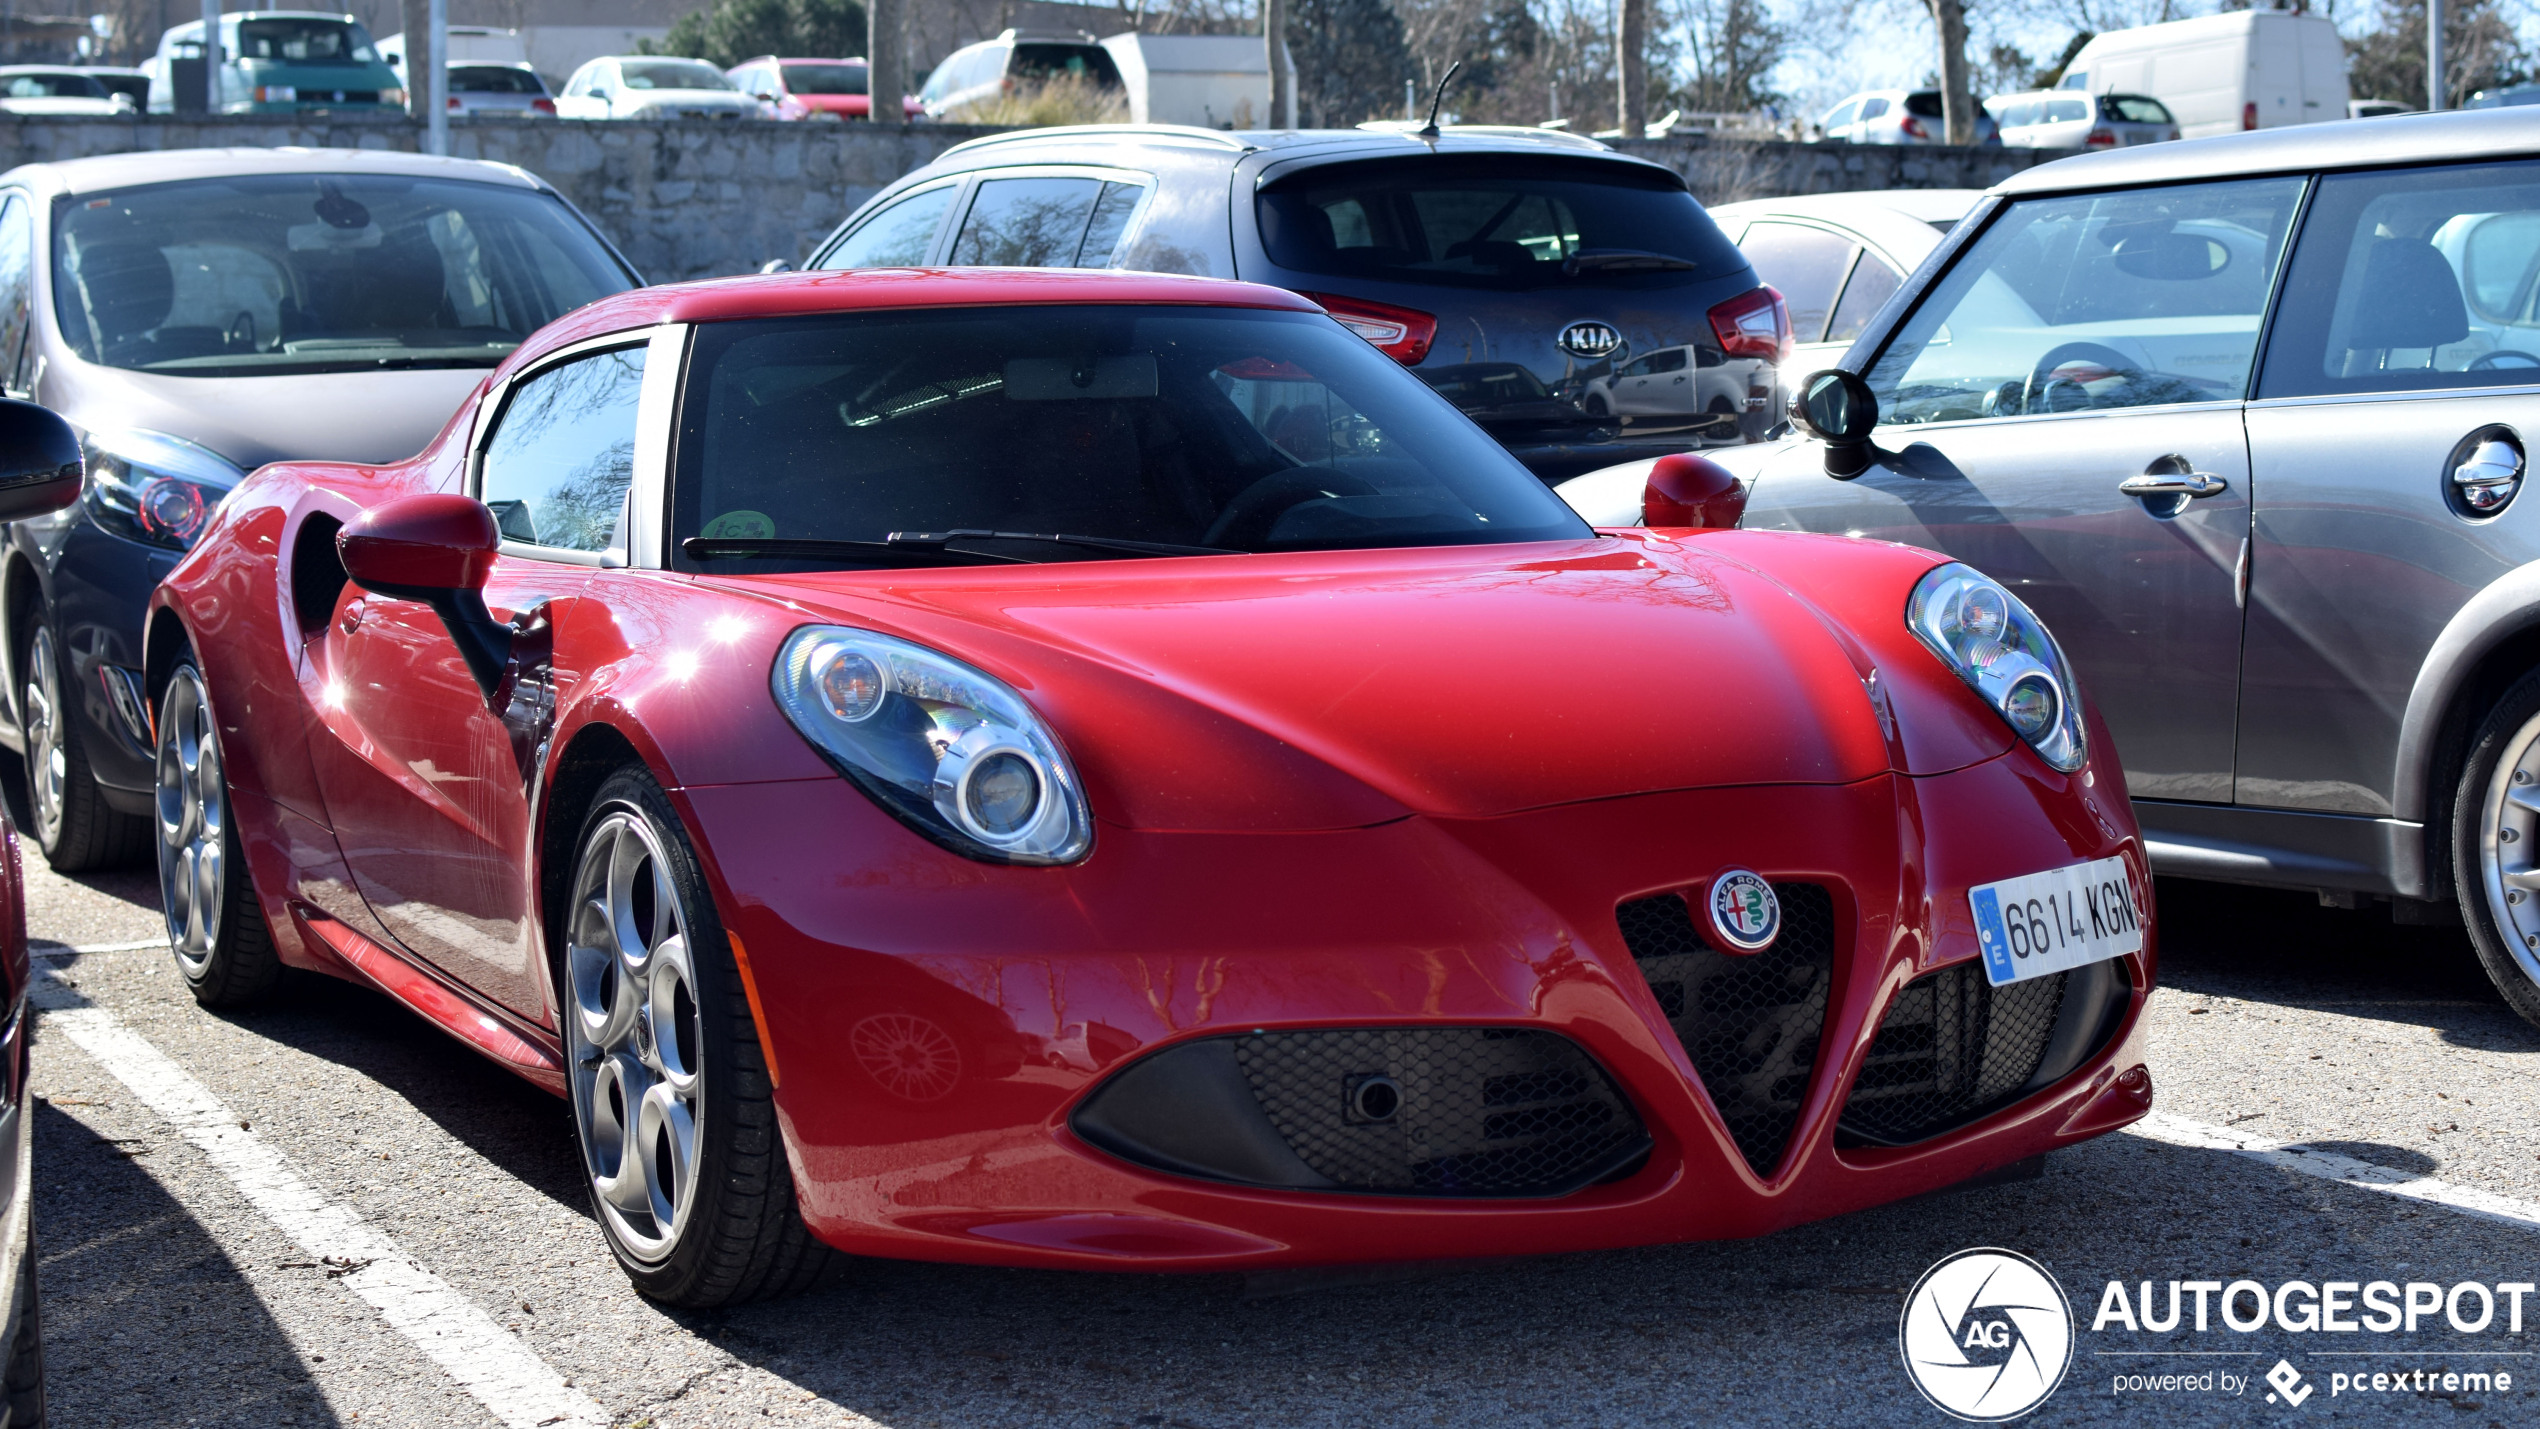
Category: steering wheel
[2486,361]
[2033,391]
[1246,522]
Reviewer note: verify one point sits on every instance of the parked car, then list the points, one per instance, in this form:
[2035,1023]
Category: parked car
[992,67]
[466,44]
[196,314]
[1676,385]
[2257,68]
[1481,246]
[499,90]
[1837,258]
[1213,81]
[778,785]
[2056,119]
[1897,116]
[281,62]
[133,83]
[652,87]
[56,89]
[2382,108]
[813,89]
[2506,98]
[2274,515]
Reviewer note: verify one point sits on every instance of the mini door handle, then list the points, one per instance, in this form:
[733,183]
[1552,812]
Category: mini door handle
[2185,483]
[351,619]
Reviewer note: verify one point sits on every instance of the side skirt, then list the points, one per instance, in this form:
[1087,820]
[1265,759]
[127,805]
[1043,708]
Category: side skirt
[530,1051]
[2278,848]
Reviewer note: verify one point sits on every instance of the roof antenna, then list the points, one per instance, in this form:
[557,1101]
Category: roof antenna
[1430,129]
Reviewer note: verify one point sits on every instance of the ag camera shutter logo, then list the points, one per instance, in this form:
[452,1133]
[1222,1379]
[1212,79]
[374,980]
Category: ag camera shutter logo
[1987,1335]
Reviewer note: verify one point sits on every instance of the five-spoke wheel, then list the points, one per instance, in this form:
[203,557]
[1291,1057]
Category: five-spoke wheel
[73,824]
[215,927]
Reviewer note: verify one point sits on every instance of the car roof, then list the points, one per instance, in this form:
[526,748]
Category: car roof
[2299,148]
[121,171]
[1920,205]
[863,289]
[1278,146]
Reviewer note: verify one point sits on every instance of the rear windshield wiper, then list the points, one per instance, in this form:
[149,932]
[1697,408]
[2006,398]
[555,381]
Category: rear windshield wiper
[1625,260]
[938,540]
[880,553]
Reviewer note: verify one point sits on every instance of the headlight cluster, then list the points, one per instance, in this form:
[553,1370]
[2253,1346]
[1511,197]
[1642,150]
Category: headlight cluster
[954,752]
[154,488]
[1985,634]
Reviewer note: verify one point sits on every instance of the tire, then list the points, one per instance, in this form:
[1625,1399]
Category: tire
[672,1106]
[1595,406]
[2496,846]
[74,826]
[22,1383]
[216,928]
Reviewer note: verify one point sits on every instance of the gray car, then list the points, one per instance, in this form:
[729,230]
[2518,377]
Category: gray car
[2062,119]
[196,314]
[1471,247]
[2265,489]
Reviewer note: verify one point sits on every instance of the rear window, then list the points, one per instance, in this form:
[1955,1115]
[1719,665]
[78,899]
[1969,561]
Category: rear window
[824,79]
[1923,104]
[2134,108]
[1090,63]
[672,74]
[1503,222]
[493,79]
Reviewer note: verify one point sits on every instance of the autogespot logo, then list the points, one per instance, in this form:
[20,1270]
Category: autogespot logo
[1987,1335]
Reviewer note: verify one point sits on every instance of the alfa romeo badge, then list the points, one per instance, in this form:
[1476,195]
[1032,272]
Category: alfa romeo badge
[1744,911]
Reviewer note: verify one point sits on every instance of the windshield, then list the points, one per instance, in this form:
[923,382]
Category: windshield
[269,274]
[1228,428]
[51,84]
[1502,223]
[672,74]
[824,79]
[305,42]
[1090,63]
[494,79]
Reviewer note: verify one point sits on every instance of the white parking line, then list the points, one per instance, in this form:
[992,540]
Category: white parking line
[2345,1170]
[500,1369]
[41,949]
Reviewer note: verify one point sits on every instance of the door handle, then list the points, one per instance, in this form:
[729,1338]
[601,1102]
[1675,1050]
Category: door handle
[351,619]
[2190,484]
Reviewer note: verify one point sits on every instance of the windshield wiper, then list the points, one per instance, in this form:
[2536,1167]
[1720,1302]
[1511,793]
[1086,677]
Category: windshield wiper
[481,359]
[880,553]
[1625,260]
[937,540]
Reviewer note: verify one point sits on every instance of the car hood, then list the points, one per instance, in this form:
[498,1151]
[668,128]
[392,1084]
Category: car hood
[1339,689]
[368,417]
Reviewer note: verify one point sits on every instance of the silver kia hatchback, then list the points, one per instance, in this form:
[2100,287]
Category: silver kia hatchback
[2247,421]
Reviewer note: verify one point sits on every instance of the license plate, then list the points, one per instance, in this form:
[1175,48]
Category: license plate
[2057,920]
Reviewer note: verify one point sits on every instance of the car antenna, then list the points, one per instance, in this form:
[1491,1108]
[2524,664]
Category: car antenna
[1430,129]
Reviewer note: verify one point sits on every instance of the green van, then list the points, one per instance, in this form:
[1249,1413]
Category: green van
[280,62]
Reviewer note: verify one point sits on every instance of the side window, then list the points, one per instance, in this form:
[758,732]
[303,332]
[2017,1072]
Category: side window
[1806,264]
[2138,298]
[1670,360]
[1111,218]
[1872,108]
[1635,369]
[1027,223]
[2420,279]
[1873,283]
[17,281]
[899,236]
[2065,111]
[1843,114]
[557,469]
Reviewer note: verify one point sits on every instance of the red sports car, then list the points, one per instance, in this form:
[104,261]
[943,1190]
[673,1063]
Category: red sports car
[1111,771]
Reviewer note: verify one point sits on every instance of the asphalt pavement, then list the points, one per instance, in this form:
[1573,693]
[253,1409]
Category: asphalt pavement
[181,1289]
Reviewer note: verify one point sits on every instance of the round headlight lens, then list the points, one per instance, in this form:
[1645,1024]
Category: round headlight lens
[1001,793]
[2001,649]
[2030,705]
[852,685]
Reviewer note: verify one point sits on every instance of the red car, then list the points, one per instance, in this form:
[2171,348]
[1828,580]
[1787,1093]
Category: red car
[812,89]
[1109,771]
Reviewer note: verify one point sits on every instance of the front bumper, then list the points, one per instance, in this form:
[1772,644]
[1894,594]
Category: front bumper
[935,1023]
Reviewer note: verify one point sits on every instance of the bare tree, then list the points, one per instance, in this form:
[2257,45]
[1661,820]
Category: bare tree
[885,58]
[1631,77]
[1957,100]
[1274,30]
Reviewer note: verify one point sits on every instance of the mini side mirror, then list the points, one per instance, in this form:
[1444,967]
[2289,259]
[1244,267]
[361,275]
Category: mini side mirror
[1688,490]
[776,265]
[40,467]
[436,548]
[1839,409]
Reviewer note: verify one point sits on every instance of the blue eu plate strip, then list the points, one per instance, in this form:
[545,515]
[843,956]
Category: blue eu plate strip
[1994,938]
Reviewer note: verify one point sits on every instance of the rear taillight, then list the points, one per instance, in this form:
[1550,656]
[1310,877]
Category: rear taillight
[454,103]
[2100,139]
[1755,323]
[1403,334]
[543,106]
[2249,115]
[1913,128]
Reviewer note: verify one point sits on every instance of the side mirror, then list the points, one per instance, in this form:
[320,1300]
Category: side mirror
[436,548]
[40,466]
[1839,409]
[776,265]
[1688,490]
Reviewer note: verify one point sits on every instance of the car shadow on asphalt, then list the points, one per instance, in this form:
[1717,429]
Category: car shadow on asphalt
[2282,947]
[146,1318]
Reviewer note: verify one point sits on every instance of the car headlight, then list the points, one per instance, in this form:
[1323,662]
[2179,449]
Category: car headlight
[154,488]
[1996,645]
[951,750]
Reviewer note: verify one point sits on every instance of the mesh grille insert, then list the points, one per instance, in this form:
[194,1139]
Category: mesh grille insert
[1484,1111]
[1749,1022]
[1952,1048]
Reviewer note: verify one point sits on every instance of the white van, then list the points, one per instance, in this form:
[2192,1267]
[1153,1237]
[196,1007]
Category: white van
[2244,69]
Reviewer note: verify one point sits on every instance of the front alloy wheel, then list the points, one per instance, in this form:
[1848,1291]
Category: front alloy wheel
[671,1100]
[215,927]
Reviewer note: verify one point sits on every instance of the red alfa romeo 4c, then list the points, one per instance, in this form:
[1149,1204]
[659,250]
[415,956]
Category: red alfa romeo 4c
[1089,770]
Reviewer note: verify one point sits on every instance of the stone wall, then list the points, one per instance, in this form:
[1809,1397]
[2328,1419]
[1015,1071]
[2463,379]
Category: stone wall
[701,198]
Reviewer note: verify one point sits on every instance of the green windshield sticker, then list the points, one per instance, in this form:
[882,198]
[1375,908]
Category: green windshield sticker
[739,526]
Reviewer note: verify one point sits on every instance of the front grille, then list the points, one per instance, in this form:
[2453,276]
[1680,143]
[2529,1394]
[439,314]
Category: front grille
[1954,1048]
[1413,1111]
[1750,1022]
